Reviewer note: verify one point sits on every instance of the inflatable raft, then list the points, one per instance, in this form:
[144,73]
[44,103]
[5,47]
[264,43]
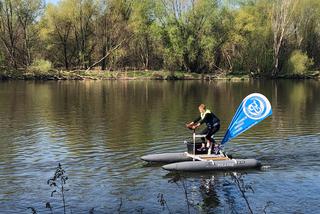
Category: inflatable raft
[198,162]
[186,161]
[167,157]
[213,165]
[178,156]
[175,157]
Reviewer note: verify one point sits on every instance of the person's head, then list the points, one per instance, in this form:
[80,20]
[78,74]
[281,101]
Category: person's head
[202,108]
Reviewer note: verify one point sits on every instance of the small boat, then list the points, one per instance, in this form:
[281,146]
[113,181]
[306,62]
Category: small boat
[186,161]
[253,109]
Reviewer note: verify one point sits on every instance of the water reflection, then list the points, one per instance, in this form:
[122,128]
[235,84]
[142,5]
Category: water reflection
[99,129]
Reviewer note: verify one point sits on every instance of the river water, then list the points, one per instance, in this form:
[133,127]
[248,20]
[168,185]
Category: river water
[98,130]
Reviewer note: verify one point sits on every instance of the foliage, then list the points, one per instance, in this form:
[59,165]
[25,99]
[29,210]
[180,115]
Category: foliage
[40,67]
[299,63]
[18,34]
[58,182]
[251,39]
[252,36]
[242,187]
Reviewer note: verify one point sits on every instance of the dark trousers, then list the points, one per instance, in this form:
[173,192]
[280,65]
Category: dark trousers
[209,131]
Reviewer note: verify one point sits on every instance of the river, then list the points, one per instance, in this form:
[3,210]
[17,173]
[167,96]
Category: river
[98,130]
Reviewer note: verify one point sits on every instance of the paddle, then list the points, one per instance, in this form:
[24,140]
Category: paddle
[253,109]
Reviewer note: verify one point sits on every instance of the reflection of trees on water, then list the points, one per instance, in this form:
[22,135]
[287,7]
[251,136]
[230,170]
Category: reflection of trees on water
[108,125]
[199,192]
[297,105]
[133,114]
[208,193]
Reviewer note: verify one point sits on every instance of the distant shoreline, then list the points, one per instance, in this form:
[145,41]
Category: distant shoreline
[144,75]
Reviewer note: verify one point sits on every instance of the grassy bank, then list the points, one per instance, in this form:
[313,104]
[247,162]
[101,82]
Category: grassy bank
[139,75]
[107,75]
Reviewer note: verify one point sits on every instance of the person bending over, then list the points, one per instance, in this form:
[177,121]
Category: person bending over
[212,126]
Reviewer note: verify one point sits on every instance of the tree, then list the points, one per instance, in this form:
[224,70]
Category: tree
[18,19]
[9,31]
[57,31]
[307,34]
[83,28]
[141,23]
[185,33]
[249,47]
[112,29]
[282,27]
[28,11]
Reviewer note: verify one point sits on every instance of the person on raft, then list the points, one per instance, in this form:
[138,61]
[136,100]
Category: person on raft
[213,125]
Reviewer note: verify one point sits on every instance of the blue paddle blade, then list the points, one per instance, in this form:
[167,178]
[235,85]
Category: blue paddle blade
[253,109]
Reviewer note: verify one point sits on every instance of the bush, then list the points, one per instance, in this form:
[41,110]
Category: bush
[40,67]
[299,63]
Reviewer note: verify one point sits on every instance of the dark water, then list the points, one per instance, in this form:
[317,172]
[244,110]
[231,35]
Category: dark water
[99,129]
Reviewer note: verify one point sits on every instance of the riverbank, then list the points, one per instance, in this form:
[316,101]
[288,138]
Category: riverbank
[143,75]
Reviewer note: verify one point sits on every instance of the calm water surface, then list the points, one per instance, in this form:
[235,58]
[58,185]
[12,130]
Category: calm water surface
[99,129]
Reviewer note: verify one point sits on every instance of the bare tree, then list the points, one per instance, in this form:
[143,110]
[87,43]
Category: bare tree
[27,12]
[9,30]
[112,29]
[282,27]
[83,31]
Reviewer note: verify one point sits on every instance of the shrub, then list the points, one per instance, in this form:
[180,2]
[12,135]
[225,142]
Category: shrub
[299,63]
[40,67]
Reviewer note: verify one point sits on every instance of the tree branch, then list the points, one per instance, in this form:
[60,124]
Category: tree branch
[109,52]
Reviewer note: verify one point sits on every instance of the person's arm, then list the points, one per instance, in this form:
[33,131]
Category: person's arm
[197,122]
[201,121]
[193,124]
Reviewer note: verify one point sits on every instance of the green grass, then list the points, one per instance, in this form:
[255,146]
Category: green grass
[144,74]
[137,74]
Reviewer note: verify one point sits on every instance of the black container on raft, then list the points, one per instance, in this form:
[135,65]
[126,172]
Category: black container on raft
[198,146]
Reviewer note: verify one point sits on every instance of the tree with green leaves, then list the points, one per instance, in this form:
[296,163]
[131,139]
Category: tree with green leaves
[83,19]
[259,37]
[57,32]
[141,23]
[28,11]
[187,33]
[282,27]
[112,30]
[18,31]
[250,46]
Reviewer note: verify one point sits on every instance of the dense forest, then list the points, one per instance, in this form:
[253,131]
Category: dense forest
[261,37]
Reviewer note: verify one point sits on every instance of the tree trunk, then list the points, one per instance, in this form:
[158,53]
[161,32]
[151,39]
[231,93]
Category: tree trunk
[104,60]
[282,27]
[66,64]
[147,52]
